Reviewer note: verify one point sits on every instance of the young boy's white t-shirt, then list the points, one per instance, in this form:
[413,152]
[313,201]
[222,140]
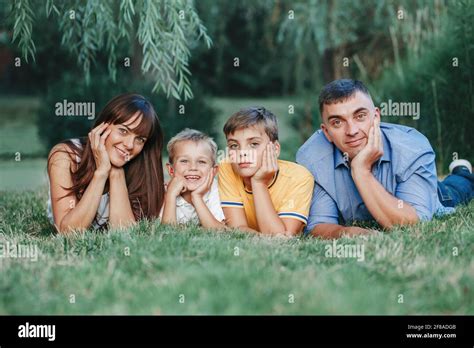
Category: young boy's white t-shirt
[186,213]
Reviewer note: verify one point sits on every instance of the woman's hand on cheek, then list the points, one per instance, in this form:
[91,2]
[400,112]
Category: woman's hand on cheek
[97,137]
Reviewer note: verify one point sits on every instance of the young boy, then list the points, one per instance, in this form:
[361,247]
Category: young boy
[259,192]
[192,195]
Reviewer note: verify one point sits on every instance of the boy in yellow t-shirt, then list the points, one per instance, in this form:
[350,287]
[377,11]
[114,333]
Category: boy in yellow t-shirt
[259,192]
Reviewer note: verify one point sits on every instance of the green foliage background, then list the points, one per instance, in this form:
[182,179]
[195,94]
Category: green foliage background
[403,50]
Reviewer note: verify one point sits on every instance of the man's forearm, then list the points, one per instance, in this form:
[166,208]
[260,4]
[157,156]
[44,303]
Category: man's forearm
[267,218]
[386,209]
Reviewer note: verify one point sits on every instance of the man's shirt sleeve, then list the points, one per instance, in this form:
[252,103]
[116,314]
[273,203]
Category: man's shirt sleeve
[418,186]
[323,209]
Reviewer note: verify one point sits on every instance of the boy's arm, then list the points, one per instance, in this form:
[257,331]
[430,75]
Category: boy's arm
[231,202]
[205,216]
[175,187]
[267,218]
[169,210]
[292,227]
[235,218]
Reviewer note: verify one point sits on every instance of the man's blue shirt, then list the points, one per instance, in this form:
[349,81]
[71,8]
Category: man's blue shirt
[407,170]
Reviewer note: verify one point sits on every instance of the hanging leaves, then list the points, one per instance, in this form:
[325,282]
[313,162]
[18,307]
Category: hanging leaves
[22,14]
[166,30]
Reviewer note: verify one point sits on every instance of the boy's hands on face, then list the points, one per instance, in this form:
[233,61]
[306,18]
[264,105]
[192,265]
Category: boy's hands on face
[205,185]
[372,151]
[176,186]
[269,165]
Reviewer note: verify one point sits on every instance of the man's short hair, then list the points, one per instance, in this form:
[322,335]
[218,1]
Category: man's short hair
[252,116]
[340,90]
[193,135]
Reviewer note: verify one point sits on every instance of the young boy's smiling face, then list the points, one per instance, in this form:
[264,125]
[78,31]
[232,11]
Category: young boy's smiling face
[246,147]
[192,161]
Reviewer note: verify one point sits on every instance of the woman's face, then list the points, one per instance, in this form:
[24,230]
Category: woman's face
[123,144]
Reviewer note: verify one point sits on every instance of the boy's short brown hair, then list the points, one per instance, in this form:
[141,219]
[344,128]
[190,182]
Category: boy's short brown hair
[192,135]
[252,116]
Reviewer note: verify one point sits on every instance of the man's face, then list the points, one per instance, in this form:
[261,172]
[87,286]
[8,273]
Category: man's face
[246,147]
[346,124]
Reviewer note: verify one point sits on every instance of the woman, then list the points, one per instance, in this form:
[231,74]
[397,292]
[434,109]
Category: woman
[115,175]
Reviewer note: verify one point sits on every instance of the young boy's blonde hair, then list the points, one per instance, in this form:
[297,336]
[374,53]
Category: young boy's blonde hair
[193,135]
[252,116]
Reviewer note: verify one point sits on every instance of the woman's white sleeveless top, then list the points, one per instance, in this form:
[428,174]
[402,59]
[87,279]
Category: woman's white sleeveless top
[102,216]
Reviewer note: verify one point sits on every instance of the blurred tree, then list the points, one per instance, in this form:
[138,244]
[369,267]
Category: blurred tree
[439,75]
[173,115]
[245,59]
[333,39]
[165,30]
[102,36]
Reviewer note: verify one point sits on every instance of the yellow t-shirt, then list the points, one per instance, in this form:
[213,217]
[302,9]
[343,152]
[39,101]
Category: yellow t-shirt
[290,191]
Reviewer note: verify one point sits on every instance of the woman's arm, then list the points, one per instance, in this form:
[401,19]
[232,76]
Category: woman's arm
[121,213]
[68,213]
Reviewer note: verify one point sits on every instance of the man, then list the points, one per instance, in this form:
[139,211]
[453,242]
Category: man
[366,170]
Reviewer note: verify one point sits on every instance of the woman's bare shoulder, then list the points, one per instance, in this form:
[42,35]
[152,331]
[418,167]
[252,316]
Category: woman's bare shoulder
[61,155]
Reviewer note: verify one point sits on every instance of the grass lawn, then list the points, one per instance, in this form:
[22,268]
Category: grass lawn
[153,269]
[27,174]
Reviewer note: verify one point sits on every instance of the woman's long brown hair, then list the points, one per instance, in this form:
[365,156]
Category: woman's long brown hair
[144,173]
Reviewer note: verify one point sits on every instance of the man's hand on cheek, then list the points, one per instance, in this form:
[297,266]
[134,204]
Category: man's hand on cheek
[372,151]
[269,165]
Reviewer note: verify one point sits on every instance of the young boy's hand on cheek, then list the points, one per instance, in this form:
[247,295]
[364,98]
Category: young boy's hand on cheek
[176,186]
[205,186]
[269,165]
